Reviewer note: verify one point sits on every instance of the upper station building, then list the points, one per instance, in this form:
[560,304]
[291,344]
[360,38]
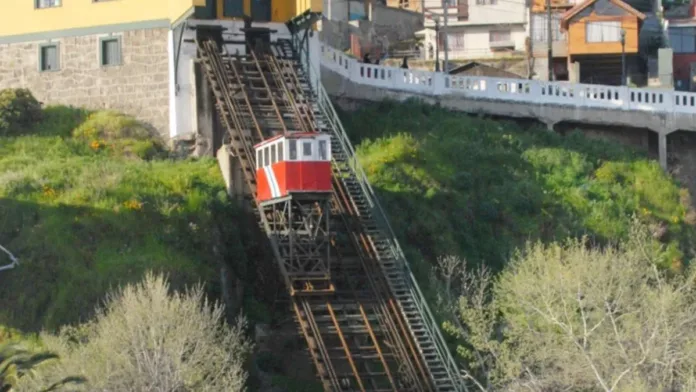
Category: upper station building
[135,56]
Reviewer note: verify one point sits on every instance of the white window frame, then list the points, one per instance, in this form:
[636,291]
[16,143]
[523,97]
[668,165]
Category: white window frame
[41,56]
[602,31]
[100,51]
[274,152]
[291,142]
[308,142]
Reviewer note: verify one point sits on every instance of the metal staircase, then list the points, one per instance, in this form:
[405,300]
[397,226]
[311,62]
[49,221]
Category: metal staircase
[368,327]
[442,368]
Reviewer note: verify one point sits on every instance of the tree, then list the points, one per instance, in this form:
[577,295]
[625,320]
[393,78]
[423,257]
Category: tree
[572,317]
[146,338]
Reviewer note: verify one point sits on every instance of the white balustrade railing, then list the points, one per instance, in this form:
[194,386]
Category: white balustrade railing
[522,90]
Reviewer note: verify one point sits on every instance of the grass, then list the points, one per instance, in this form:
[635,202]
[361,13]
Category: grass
[88,201]
[478,188]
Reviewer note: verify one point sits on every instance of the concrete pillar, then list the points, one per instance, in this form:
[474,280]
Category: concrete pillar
[665,68]
[205,110]
[550,126]
[232,173]
[662,149]
[574,72]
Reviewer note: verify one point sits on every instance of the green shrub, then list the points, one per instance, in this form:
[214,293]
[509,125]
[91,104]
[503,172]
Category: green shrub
[120,134]
[18,110]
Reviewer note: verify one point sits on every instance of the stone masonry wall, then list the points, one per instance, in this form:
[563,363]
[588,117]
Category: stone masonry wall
[139,87]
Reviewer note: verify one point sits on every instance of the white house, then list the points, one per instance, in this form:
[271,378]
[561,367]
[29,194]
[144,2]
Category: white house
[476,28]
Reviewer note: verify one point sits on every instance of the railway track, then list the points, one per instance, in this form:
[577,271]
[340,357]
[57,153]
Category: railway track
[364,328]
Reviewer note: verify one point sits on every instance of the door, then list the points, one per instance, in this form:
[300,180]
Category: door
[261,10]
[206,12]
[233,8]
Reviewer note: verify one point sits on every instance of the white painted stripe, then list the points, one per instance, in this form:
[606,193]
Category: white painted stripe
[272,182]
[269,182]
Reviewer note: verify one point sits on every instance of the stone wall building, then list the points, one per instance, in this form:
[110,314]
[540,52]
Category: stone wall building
[73,71]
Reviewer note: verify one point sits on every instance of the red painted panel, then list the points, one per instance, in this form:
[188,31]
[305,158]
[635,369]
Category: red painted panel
[263,191]
[295,177]
[308,176]
[316,176]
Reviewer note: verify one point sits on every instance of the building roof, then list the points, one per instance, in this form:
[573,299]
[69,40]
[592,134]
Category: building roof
[565,19]
[486,70]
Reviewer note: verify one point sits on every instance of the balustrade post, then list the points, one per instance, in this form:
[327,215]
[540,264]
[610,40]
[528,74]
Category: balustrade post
[439,86]
[625,97]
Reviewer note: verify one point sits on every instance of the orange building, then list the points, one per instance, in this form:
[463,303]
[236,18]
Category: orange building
[599,31]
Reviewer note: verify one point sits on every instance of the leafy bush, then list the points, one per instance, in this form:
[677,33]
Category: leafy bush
[18,111]
[148,338]
[119,133]
[574,317]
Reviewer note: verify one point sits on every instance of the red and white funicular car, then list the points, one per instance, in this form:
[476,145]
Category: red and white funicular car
[294,163]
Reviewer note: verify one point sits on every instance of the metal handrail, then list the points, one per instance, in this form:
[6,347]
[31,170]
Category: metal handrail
[14,261]
[327,108]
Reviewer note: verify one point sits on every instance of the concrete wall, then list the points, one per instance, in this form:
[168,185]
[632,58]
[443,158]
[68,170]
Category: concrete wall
[396,23]
[387,27]
[139,87]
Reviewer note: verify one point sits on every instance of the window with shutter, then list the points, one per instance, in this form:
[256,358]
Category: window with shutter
[48,58]
[111,52]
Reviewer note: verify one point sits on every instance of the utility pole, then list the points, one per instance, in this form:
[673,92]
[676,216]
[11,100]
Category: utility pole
[437,43]
[445,3]
[550,38]
[623,57]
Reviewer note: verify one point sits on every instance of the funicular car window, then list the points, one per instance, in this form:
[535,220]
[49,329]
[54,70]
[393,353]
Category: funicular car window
[292,146]
[280,151]
[273,154]
[322,150]
[259,161]
[307,149]
[265,156]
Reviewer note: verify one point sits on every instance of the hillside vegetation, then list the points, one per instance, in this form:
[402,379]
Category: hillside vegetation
[478,188]
[90,201]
